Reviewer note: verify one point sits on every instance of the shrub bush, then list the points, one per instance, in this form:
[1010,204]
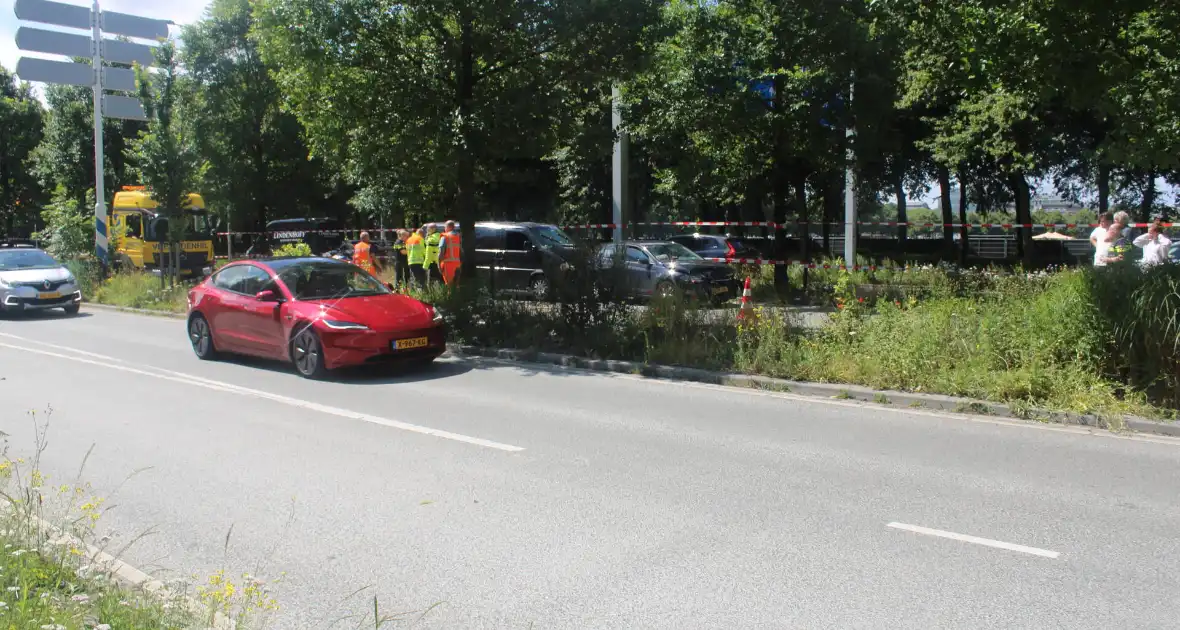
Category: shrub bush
[293,250]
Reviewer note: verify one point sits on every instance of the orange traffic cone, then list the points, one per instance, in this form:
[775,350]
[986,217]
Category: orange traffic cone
[747,309]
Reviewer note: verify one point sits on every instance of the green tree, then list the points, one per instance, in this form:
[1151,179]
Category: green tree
[168,161]
[745,103]
[65,156]
[417,99]
[259,167]
[21,125]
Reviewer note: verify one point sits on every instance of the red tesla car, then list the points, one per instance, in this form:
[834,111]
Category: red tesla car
[318,313]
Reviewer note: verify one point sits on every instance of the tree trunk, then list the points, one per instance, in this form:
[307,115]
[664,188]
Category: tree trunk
[465,194]
[948,232]
[803,224]
[1023,194]
[781,190]
[832,205]
[1149,196]
[964,231]
[1103,188]
[751,208]
[902,217]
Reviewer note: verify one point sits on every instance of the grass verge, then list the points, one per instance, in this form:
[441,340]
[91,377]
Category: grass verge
[141,291]
[58,573]
[1094,342]
[1077,340]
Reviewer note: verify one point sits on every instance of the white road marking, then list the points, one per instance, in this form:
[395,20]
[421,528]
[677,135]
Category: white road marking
[189,379]
[65,348]
[998,544]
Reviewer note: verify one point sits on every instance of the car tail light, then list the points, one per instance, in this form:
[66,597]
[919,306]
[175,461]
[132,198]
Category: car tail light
[732,252]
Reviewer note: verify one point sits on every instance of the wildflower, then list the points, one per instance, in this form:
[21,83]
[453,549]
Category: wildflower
[13,589]
[103,626]
[81,599]
[3,605]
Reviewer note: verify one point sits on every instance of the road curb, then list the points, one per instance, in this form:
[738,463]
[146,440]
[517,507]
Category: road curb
[856,393]
[133,311]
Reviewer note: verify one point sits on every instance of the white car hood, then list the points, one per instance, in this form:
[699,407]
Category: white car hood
[35,275]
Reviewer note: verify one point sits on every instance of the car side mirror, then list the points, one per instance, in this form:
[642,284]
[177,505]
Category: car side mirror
[267,296]
[389,285]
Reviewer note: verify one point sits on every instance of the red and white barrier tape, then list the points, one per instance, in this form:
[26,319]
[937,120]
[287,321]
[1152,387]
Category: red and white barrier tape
[767,224]
[728,261]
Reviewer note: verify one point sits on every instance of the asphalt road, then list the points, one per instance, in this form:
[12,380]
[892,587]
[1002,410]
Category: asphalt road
[531,498]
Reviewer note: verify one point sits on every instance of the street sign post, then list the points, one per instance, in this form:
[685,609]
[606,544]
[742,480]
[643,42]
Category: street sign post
[53,42]
[95,75]
[59,72]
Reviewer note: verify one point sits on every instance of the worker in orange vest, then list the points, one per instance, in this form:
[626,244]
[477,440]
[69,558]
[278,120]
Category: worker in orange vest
[451,247]
[362,255]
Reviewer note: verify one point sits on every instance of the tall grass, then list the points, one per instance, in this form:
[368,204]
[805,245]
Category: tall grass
[1138,314]
[141,291]
[1085,341]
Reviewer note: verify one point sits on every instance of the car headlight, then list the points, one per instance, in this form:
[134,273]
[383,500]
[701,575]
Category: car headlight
[335,324]
[4,285]
[438,316]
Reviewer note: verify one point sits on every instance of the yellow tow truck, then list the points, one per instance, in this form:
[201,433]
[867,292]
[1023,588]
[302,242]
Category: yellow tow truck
[140,234]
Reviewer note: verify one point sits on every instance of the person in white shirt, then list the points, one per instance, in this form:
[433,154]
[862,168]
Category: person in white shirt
[1098,240]
[1154,245]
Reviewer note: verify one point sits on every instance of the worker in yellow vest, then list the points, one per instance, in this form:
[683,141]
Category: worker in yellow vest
[416,256]
[452,249]
[433,239]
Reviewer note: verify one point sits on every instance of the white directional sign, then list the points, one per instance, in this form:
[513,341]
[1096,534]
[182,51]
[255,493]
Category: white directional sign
[95,74]
[54,43]
[115,106]
[134,26]
[60,72]
[56,13]
[115,51]
[118,79]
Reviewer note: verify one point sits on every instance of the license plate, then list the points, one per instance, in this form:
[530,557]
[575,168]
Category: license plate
[410,344]
[50,296]
[720,290]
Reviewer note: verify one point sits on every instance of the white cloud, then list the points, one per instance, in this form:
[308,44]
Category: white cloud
[179,11]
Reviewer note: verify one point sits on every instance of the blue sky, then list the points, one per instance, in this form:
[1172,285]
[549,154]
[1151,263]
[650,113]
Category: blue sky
[179,11]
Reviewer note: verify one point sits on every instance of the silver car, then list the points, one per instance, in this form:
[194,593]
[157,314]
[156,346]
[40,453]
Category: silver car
[31,279]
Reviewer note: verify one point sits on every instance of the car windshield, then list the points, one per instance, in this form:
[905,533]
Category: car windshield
[329,281]
[14,259]
[197,226]
[671,252]
[551,235]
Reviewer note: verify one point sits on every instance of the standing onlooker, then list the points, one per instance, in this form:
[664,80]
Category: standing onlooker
[1154,245]
[1117,241]
[401,267]
[1098,239]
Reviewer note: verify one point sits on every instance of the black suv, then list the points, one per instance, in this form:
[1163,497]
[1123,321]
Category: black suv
[523,258]
[321,235]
